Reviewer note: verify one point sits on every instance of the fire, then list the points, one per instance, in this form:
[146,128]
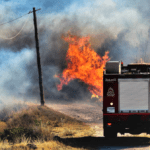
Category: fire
[85,64]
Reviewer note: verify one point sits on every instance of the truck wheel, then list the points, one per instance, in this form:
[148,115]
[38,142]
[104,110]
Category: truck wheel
[110,133]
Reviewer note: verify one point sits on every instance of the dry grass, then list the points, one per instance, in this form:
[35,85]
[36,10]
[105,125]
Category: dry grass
[47,123]
[73,130]
[50,145]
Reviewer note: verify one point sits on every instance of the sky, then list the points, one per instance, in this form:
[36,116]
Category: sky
[119,26]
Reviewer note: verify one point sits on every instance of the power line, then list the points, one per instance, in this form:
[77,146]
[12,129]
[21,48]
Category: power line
[17,33]
[23,16]
[15,19]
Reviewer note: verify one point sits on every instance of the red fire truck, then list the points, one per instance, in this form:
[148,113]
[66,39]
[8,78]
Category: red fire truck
[126,98]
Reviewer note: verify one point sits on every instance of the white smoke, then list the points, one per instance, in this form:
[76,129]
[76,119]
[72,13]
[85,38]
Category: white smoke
[122,30]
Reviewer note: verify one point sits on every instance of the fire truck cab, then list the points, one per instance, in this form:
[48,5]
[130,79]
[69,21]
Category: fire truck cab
[126,98]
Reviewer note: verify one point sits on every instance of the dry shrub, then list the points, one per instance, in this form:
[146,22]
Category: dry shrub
[15,135]
[3,126]
[24,118]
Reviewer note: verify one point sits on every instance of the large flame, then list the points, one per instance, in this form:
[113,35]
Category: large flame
[85,64]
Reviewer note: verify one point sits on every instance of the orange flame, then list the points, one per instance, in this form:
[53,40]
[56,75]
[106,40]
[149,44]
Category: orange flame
[85,64]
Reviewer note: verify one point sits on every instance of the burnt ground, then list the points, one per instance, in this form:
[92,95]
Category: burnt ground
[92,115]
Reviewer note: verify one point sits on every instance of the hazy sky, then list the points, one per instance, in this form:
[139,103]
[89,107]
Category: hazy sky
[119,26]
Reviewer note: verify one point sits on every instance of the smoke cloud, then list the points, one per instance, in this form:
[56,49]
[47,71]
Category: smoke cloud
[121,30]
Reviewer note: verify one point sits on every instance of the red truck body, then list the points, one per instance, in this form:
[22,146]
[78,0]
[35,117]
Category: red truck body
[126,99]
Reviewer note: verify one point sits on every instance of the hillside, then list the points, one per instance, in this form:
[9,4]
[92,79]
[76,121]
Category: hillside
[39,124]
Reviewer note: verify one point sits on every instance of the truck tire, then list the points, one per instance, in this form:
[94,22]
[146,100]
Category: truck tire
[110,133]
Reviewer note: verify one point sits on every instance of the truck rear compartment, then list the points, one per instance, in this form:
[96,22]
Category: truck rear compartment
[133,95]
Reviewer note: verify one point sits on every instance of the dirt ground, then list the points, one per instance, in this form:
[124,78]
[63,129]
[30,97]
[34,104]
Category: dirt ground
[91,114]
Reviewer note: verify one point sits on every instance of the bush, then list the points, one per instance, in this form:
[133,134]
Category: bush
[37,122]
[12,135]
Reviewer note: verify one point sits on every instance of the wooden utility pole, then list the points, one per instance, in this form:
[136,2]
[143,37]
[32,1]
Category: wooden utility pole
[38,57]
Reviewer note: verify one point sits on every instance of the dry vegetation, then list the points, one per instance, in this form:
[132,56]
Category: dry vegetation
[38,125]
